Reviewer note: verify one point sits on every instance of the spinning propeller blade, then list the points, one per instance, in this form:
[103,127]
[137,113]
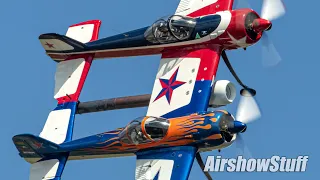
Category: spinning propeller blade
[270,55]
[272,9]
[241,145]
[248,109]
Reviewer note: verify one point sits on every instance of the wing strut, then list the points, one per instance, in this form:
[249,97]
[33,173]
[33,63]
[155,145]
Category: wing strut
[246,89]
[201,164]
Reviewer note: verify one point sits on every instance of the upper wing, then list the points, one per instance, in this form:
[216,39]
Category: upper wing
[165,164]
[195,8]
[184,81]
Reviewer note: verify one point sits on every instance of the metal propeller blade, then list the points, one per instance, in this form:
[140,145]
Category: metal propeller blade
[248,109]
[272,9]
[201,164]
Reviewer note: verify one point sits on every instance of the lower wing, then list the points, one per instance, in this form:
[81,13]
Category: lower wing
[165,164]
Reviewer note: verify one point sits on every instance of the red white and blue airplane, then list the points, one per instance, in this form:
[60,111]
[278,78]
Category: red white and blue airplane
[178,125]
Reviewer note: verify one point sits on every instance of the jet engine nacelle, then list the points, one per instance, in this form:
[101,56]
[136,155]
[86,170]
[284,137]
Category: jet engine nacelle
[223,93]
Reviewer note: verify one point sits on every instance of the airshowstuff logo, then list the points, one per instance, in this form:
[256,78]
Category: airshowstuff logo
[240,164]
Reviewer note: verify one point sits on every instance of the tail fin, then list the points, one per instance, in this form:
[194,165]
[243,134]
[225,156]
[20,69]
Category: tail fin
[49,164]
[42,151]
[74,41]
[33,146]
[53,42]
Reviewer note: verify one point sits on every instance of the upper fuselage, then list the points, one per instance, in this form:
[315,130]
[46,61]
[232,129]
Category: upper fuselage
[226,29]
[201,130]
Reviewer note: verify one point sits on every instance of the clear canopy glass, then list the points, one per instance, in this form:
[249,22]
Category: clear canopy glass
[154,129]
[172,29]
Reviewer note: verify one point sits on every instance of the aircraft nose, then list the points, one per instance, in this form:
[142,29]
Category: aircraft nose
[260,25]
[238,127]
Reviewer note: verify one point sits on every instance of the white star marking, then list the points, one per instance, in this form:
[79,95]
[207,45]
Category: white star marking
[239,42]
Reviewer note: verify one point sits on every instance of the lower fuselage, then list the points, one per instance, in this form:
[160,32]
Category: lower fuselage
[200,130]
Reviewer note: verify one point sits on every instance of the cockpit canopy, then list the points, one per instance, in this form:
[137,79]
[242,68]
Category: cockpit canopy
[172,29]
[144,130]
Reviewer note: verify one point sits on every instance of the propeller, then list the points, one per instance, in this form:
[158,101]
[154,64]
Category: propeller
[241,145]
[271,10]
[248,111]
[270,55]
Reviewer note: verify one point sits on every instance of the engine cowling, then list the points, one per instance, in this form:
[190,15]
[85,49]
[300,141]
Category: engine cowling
[223,93]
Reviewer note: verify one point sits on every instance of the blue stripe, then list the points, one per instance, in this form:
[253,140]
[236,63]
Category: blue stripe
[63,157]
[199,101]
[73,107]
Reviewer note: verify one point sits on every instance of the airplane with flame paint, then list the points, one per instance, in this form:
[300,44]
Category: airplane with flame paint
[178,125]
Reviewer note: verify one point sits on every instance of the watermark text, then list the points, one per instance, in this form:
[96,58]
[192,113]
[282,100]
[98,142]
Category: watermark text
[240,164]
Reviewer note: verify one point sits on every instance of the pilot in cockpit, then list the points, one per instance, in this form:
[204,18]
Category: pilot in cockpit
[163,31]
[137,135]
[163,27]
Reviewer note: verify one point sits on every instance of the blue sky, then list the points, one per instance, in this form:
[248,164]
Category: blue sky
[287,93]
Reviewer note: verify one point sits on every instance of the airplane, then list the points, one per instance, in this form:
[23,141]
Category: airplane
[178,125]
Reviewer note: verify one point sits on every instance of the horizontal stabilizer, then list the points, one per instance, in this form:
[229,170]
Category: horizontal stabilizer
[57,43]
[30,146]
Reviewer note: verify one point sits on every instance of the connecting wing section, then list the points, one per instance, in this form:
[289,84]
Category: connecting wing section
[184,81]
[165,164]
[70,76]
[195,8]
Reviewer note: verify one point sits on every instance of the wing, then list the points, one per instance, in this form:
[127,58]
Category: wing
[195,8]
[184,81]
[165,164]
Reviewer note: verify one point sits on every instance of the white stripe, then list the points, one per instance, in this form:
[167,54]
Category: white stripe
[183,5]
[189,6]
[56,127]
[68,76]
[149,168]
[81,33]
[44,170]
[181,96]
